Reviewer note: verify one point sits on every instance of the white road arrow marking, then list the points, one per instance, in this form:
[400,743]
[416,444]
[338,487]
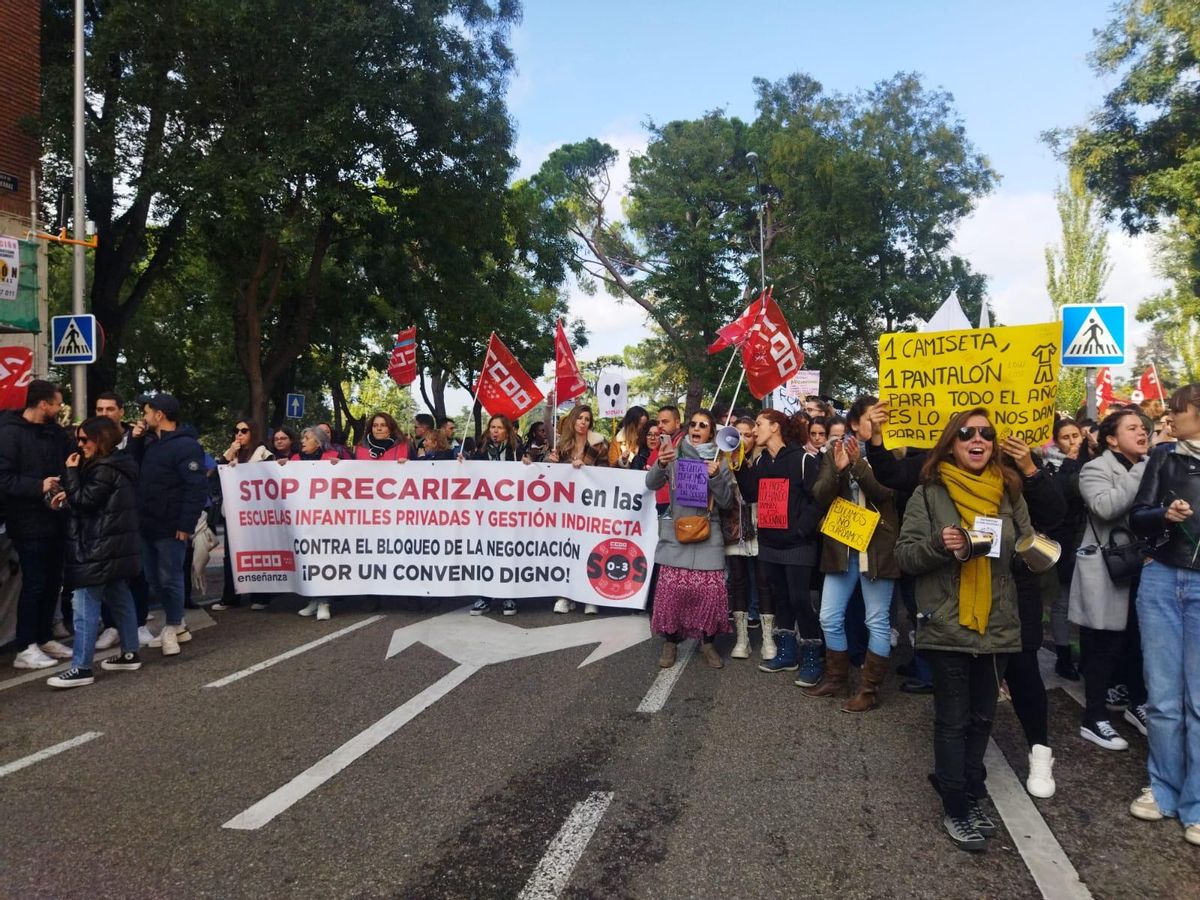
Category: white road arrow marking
[472,642]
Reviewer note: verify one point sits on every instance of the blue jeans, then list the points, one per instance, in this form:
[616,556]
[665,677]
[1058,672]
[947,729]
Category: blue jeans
[1168,606]
[162,561]
[877,598]
[86,603]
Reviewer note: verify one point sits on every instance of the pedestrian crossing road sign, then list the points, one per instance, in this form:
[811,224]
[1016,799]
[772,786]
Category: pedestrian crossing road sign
[73,340]
[1093,334]
[295,406]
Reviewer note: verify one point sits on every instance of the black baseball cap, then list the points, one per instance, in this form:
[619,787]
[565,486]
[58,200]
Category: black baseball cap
[163,403]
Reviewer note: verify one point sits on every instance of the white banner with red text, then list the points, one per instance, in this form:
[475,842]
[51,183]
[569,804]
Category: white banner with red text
[441,529]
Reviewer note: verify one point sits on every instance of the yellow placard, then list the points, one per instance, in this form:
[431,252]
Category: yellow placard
[1011,372]
[849,523]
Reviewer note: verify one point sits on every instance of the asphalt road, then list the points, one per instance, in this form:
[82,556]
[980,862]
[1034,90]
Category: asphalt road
[737,787]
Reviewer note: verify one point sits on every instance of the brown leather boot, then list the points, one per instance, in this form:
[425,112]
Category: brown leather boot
[710,655]
[871,677]
[833,681]
[666,659]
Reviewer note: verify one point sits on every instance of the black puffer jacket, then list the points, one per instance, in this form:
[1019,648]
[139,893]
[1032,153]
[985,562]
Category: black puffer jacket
[1169,476]
[172,485]
[29,454]
[102,522]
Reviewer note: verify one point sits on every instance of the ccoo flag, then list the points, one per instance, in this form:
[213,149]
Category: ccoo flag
[770,352]
[568,382]
[1149,386]
[504,388]
[734,334]
[403,363]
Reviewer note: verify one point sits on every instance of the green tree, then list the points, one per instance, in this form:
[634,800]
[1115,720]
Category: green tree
[1138,151]
[865,192]
[1077,269]
[1174,315]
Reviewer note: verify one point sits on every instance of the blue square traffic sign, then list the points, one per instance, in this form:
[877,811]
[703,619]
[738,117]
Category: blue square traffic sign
[1093,334]
[73,340]
[295,406]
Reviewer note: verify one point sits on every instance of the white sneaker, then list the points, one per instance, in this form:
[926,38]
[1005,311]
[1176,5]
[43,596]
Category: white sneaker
[145,636]
[1191,833]
[563,605]
[32,657]
[322,612]
[310,610]
[1040,783]
[168,641]
[259,606]
[56,650]
[1145,807]
[895,638]
[108,639]
[590,609]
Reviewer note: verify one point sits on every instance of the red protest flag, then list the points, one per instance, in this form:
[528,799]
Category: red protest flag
[16,371]
[770,353]
[568,382]
[402,365]
[1149,386]
[734,334]
[1104,389]
[504,388]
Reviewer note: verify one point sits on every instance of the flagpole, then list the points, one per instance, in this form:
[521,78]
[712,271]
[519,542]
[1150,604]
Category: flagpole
[478,385]
[721,383]
[1158,382]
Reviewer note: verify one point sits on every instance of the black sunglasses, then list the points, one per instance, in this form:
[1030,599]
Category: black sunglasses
[241,431]
[83,439]
[699,423]
[987,432]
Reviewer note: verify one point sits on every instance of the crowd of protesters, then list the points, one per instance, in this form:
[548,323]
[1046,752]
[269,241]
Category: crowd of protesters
[114,515]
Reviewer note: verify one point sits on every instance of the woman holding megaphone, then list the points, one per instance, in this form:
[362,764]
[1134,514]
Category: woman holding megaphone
[958,537]
[690,598]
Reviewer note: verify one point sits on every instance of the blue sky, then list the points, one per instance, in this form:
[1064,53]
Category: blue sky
[1015,69]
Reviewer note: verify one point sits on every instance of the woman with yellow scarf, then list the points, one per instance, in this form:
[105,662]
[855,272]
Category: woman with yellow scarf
[965,591]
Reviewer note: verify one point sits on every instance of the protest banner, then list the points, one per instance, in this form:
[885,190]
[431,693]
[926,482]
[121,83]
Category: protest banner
[788,398]
[850,524]
[441,529]
[1011,372]
[773,502]
[10,265]
[691,482]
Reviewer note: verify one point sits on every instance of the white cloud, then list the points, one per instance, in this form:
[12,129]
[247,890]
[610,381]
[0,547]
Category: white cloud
[1006,239]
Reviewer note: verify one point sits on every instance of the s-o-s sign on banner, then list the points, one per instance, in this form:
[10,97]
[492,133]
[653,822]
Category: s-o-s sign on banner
[441,529]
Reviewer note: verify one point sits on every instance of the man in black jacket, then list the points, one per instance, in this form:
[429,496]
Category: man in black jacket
[33,452]
[171,489]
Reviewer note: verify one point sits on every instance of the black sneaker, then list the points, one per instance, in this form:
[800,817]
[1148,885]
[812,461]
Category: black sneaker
[1136,716]
[1117,698]
[480,606]
[71,678]
[1102,734]
[980,820]
[964,834]
[509,607]
[913,686]
[126,662]
[753,623]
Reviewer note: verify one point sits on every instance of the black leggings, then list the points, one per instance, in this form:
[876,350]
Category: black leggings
[1028,691]
[965,690]
[1100,653]
[790,587]
[739,569]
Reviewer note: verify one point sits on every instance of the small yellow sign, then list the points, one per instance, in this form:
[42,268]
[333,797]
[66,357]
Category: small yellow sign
[850,524]
[1011,372]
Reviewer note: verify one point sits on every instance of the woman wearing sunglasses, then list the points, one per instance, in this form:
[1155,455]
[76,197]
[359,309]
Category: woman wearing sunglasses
[246,447]
[1168,607]
[690,599]
[100,501]
[970,603]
